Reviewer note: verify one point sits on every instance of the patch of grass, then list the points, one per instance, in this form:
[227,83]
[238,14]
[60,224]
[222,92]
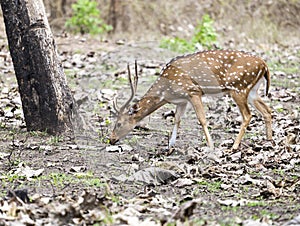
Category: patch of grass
[279,108]
[103,136]
[3,193]
[86,19]
[70,73]
[251,134]
[55,140]
[38,133]
[71,77]
[86,175]
[10,178]
[285,82]
[114,84]
[266,214]
[287,66]
[246,188]
[233,209]
[59,179]
[171,224]
[279,172]
[108,219]
[213,186]
[89,179]
[205,35]
[177,44]
[132,141]
[94,182]
[290,67]
[2,125]
[198,222]
[256,174]
[256,203]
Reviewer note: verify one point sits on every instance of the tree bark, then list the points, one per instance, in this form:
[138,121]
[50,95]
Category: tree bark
[118,15]
[47,101]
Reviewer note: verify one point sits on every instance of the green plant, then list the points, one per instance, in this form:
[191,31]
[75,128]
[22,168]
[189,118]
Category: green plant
[94,182]
[233,209]
[198,222]
[59,179]
[266,213]
[38,133]
[279,172]
[279,109]
[89,179]
[108,217]
[205,35]
[9,177]
[212,186]
[177,44]
[54,140]
[256,203]
[133,140]
[86,18]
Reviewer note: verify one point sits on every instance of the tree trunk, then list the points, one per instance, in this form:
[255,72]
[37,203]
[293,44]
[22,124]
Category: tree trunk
[118,15]
[47,101]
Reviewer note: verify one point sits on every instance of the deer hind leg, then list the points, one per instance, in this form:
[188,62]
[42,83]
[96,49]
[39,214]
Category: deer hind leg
[241,101]
[264,110]
[180,109]
[199,109]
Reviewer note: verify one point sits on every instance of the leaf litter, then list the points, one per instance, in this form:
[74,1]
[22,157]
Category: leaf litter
[46,181]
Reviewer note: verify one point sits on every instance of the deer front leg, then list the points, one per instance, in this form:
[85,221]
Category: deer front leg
[199,109]
[180,109]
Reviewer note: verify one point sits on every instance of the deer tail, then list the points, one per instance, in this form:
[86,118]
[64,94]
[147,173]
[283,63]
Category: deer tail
[268,81]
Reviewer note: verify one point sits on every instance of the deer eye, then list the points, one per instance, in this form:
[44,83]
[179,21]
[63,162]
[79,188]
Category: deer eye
[134,109]
[131,111]
[118,124]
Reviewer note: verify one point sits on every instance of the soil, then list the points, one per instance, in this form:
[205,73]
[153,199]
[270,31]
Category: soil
[57,180]
[260,181]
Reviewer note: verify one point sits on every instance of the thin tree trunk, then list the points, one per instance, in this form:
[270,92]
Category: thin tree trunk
[47,101]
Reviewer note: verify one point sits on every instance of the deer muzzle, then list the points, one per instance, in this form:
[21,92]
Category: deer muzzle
[113,138]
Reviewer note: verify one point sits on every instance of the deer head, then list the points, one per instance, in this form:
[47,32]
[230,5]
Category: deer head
[126,119]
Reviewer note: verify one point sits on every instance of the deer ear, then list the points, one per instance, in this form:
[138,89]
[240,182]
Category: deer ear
[134,109]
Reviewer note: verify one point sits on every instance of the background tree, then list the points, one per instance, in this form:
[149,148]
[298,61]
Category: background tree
[46,99]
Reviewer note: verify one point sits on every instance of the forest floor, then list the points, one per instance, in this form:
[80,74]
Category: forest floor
[54,180]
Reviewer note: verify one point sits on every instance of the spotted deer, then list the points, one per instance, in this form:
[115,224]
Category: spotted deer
[187,78]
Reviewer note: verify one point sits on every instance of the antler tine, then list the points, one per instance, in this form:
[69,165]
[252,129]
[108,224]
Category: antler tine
[132,86]
[136,78]
[115,104]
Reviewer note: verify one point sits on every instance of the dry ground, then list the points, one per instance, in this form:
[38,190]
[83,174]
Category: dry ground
[59,181]
[86,182]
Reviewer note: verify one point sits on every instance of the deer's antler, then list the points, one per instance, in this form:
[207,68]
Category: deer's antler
[133,87]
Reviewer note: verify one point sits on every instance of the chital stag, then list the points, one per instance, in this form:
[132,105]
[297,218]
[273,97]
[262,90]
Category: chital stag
[187,78]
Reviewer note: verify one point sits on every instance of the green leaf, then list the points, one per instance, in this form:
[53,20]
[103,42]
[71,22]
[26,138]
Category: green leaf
[86,18]
[205,35]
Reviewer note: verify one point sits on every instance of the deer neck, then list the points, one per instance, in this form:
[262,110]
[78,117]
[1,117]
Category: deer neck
[151,101]
[147,105]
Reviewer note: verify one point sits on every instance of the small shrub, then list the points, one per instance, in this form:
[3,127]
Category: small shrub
[86,18]
[177,45]
[204,35]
